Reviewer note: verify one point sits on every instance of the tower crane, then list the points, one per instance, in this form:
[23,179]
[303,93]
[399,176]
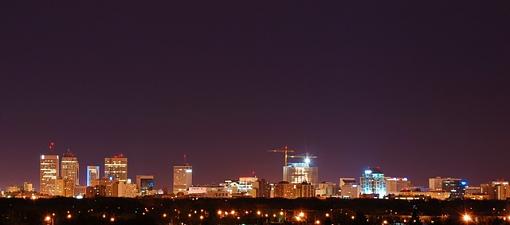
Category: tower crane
[307,157]
[285,150]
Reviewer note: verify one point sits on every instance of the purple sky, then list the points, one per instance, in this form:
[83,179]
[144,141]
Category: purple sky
[419,90]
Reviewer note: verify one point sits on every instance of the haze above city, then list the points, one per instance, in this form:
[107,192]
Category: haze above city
[356,84]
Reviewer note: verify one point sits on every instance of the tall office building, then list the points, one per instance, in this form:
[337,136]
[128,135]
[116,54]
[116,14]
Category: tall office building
[92,174]
[145,184]
[183,178]
[116,168]
[301,172]
[373,183]
[48,174]
[70,173]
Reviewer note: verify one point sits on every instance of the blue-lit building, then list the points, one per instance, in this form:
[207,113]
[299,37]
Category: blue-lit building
[373,183]
[92,174]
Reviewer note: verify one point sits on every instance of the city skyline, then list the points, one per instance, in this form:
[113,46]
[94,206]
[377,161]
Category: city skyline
[306,171]
[300,179]
[417,89]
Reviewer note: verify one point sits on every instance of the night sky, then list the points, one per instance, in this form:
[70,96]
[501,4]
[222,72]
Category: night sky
[418,89]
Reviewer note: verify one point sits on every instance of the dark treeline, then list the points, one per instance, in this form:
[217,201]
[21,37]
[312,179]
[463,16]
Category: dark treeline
[249,211]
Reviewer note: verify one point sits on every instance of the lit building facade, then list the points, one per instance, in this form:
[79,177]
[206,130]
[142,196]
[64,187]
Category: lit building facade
[28,187]
[349,188]
[420,195]
[49,172]
[455,186]
[116,168]
[124,189]
[101,188]
[182,178]
[301,172]
[92,174]
[373,183]
[496,190]
[288,190]
[436,183]
[394,185]
[59,187]
[326,190]
[208,191]
[70,173]
[248,187]
[145,184]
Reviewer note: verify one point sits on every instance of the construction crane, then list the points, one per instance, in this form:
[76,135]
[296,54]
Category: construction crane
[285,150]
[306,157]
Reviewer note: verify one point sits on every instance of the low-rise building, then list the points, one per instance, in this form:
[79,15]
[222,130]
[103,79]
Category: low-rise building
[326,190]
[208,192]
[349,188]
[288,190]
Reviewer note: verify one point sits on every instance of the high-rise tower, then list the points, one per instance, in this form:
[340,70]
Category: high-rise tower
[116,168]
[183,178]
[70,173]
[48,172]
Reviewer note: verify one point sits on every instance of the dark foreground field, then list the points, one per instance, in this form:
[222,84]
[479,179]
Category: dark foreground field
[250,211]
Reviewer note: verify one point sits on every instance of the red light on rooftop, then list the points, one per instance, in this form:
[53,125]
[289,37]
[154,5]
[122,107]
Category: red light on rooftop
[119,155]
[51,145]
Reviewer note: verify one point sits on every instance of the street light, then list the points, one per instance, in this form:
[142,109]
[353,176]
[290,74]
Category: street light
[467,218]
[49,220]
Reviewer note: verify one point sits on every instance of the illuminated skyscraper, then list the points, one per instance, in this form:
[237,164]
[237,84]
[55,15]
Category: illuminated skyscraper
[183,178]
[48,174]
[70,173]
[116,168]
[301,172]
[92,174]
[373,183]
